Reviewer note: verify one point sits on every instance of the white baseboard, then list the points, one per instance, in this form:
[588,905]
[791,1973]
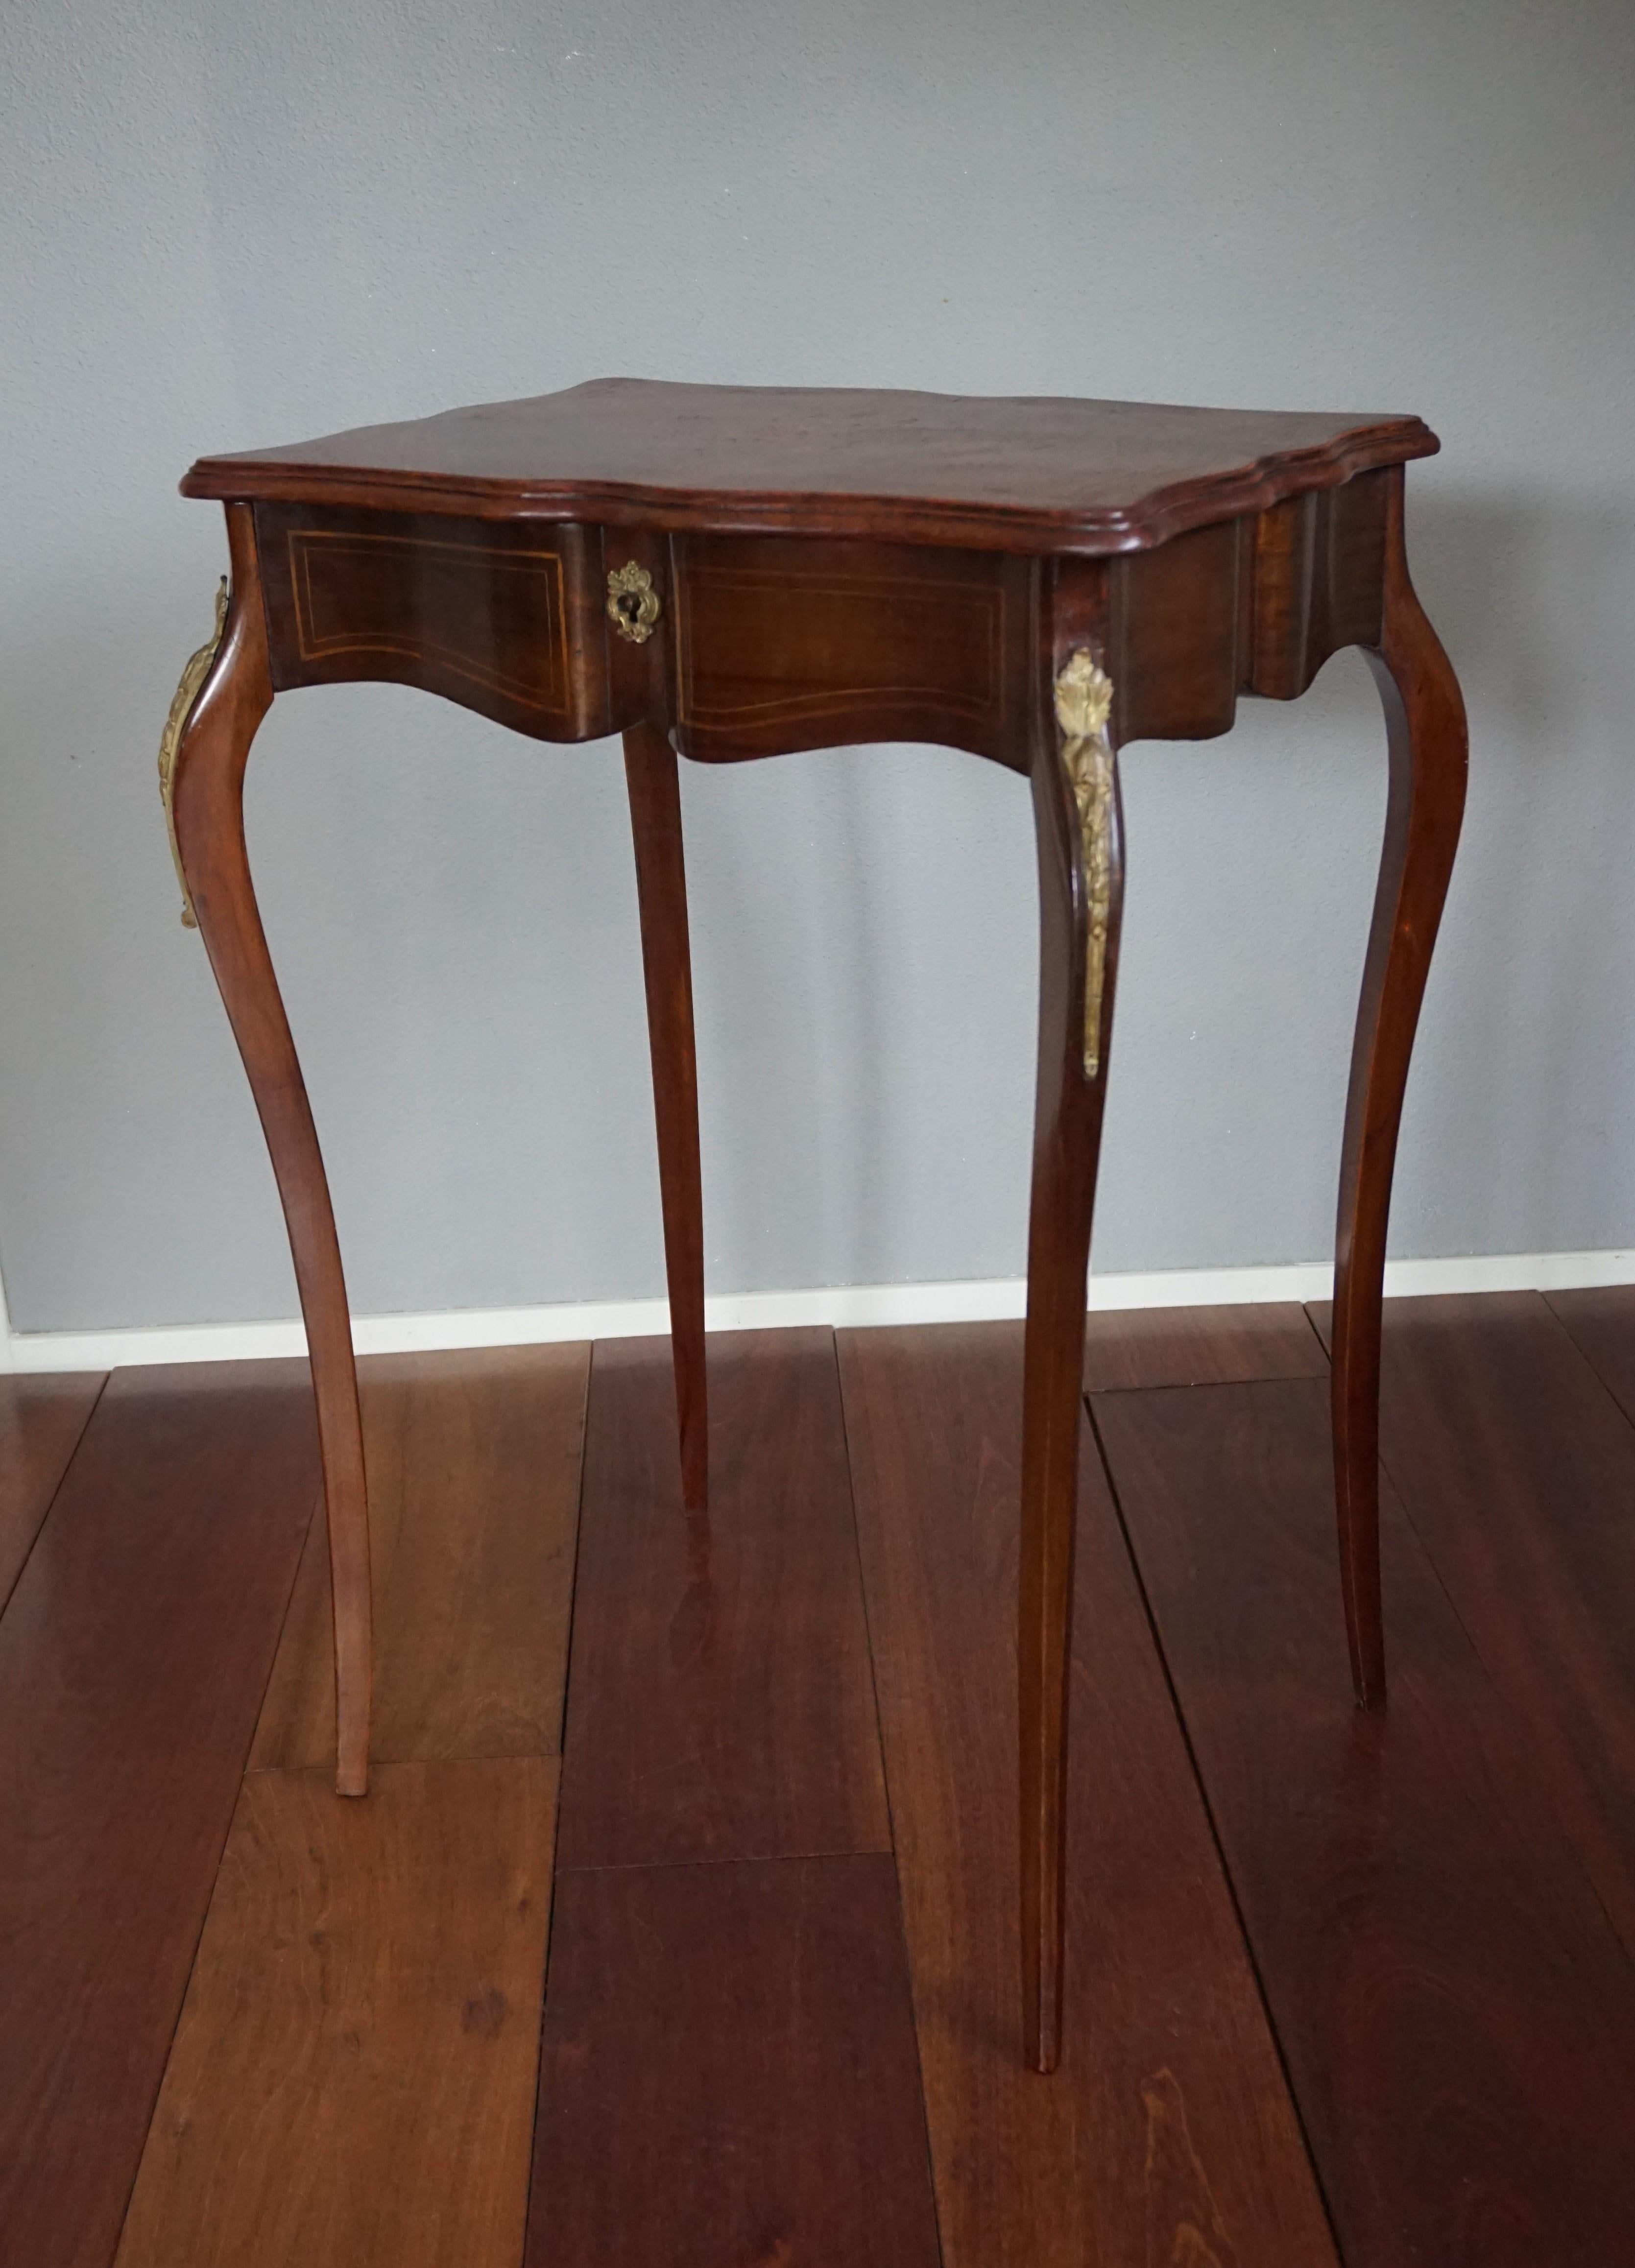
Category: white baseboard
[856,1304]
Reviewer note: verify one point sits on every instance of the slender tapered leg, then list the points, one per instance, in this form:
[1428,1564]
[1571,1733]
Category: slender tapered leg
[1079,830]
[205,788]
[650,771]
[1426,723]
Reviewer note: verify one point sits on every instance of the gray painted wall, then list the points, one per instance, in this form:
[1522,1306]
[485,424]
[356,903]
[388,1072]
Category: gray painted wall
[226,226]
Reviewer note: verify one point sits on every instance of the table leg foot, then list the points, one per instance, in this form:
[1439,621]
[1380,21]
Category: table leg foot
[206,789]
[1426,728]
[1078,829]
[650,774]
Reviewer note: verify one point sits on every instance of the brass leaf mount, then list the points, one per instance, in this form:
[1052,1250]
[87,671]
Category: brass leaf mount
[192,677]
[1084,704]
[632,603]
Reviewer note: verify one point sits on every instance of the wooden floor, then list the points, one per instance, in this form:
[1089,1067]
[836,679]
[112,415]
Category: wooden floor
[679,1929]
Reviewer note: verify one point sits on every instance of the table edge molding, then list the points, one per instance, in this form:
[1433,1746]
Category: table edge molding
[1164,513]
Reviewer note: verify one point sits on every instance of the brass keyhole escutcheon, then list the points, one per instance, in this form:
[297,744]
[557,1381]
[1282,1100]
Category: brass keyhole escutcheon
[632,603]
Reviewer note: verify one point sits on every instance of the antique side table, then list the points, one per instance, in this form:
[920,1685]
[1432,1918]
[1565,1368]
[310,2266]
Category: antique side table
[725,572]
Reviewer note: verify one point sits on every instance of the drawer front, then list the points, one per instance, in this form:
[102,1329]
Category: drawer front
[786,644]
[508,620]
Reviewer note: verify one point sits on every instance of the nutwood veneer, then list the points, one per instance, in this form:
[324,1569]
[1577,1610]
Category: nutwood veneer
[723,572]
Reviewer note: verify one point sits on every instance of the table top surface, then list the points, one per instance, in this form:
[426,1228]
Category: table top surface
[1021,473]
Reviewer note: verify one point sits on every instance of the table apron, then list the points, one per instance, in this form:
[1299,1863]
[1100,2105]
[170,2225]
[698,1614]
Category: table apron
[768,644]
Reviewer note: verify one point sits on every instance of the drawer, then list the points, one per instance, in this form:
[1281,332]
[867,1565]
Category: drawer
[507,619]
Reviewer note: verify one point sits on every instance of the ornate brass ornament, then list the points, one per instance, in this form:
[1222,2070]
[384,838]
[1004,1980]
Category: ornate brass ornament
[1084,702]
[632,603]
[193,676]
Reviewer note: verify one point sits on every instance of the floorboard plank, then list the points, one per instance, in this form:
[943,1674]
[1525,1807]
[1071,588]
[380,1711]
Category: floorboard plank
[352,2081]
[1167,2136]
[1517,1469]
[1600,1319]
[133,1657]
[472,1460]
[1199,1346]
[1454,2007]
[720,1702]
[728,2072]
[42,1419]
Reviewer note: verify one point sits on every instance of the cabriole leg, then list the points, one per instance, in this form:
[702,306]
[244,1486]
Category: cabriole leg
[201,770]
[1078,832]
[1425,725]
[649,769]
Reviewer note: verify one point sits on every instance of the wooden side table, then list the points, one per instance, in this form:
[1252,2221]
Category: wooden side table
[727,573]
